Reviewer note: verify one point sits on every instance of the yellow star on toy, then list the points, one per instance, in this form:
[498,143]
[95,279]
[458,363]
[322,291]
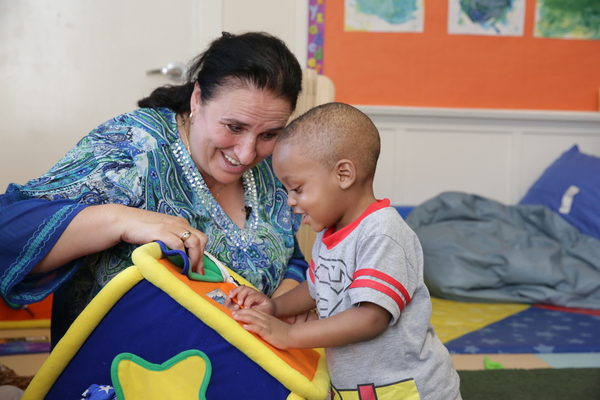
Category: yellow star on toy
[183,377]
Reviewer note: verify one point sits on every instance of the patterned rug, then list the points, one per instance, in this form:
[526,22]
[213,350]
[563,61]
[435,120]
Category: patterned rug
[471,328]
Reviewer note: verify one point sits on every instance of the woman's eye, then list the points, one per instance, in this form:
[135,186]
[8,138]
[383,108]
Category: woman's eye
[234,128]
[269,135]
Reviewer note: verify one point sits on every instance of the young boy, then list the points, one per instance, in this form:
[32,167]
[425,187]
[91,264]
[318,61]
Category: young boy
[366,277]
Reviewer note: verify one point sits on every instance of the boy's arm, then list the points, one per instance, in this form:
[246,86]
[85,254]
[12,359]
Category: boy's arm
[296,301]
[357,324]
[354,325]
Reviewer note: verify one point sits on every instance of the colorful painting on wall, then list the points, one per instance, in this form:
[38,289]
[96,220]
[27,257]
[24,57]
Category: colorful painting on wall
[567,19]
[486,17]
[316,31]
[384,15]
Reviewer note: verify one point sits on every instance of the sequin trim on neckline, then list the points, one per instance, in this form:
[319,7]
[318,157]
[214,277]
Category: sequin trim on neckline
[242,238]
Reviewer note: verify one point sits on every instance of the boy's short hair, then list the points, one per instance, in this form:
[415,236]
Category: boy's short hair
[333,131]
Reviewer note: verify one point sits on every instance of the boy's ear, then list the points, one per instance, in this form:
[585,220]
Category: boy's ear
[345,171]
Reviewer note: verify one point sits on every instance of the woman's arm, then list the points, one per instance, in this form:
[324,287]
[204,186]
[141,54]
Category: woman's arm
[29,228]
[100,227]
[297,265]
[285,286]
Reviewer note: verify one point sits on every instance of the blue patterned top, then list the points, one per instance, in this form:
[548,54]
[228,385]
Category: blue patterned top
[29,228]
[138,159]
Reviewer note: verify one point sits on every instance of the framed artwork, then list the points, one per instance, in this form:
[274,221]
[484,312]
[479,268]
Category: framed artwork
[486,17]
[567,19]
[384,15]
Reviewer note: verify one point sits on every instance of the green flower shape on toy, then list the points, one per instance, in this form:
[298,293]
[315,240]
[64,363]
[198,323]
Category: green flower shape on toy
[183,377]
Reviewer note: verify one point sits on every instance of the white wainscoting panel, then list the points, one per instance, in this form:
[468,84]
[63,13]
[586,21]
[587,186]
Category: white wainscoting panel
[494,153]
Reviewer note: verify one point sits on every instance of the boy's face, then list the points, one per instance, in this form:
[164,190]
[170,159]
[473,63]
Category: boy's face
[313,189]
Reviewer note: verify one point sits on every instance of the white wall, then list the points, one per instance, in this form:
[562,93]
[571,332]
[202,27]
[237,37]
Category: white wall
[287,19]
[494,153]
[68,65]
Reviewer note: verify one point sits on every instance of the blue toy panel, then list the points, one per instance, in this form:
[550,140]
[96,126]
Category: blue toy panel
[150,324]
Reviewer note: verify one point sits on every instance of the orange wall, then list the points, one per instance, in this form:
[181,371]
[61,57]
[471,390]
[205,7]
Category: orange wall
[435,69]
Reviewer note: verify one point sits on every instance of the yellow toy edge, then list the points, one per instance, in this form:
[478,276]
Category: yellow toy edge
[320,380]
[79,331]
[146,259]
[26,324]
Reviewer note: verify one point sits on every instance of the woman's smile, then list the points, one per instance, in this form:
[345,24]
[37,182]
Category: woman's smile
[232,162]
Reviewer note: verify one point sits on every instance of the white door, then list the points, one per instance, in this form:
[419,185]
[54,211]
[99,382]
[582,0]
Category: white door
[68,65]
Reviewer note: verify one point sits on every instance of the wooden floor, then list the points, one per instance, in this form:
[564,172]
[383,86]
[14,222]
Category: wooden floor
[29,364]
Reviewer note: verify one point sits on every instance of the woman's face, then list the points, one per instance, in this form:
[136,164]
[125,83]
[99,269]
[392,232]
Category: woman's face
[234,131]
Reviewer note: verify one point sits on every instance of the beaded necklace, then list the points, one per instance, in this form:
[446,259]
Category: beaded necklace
[242,238]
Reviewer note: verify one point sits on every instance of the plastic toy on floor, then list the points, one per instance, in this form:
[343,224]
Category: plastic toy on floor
[159,330]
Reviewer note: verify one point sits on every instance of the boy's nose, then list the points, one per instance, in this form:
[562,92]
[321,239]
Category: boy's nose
[291,201]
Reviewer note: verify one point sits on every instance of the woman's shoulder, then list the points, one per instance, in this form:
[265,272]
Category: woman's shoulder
[159,123]
[126,136]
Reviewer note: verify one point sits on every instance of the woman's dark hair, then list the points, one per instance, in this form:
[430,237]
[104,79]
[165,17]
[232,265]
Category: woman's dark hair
[254,58]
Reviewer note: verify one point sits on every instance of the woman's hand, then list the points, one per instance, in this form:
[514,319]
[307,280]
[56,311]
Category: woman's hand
[100,227]
[143,226]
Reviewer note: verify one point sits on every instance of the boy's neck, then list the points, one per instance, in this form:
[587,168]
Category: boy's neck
[356,201]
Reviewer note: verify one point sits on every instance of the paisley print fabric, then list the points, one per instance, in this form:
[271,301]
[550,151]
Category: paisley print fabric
[138,160]
[28,231]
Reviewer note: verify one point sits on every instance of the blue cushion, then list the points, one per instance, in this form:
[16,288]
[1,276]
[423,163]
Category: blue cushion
[571,187]
[404,210]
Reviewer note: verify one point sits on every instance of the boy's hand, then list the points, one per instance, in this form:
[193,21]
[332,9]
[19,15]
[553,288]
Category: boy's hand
[246,297]
[271,329]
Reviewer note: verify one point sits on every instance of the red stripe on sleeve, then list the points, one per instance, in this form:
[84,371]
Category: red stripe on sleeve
[380,287]
[384,277]
[311,271]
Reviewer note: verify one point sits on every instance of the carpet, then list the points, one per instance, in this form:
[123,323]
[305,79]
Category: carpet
[534,330]
[488,328]
[24,345]
[531,384]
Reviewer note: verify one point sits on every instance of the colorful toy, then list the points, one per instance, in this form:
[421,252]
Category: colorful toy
[158,330]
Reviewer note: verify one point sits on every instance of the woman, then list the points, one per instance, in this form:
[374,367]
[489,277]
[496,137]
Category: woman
[189,168]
